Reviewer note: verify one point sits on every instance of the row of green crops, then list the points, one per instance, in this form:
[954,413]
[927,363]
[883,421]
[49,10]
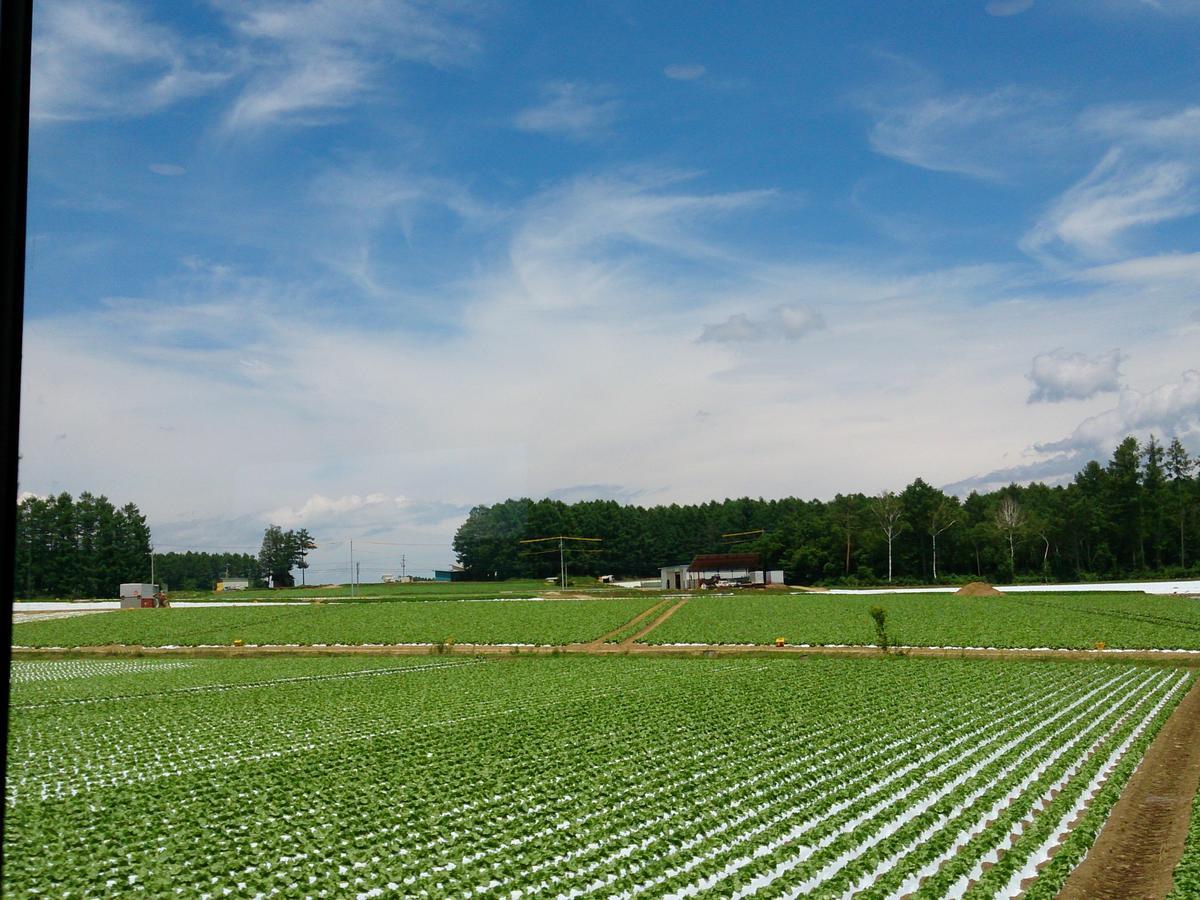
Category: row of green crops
[1067,620]
[420,590]
[1187,873]
[580,776]
[1124,620]
[480,622]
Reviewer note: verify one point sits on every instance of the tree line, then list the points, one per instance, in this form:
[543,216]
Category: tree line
[87,547]
[1137,516]
[196,571]
[83,547]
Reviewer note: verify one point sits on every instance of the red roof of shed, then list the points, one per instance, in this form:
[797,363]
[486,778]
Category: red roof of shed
[713,562]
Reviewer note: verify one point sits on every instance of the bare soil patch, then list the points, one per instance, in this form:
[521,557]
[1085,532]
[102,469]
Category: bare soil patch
[977,589]
[19,617]
[1169,657]
[1143,839]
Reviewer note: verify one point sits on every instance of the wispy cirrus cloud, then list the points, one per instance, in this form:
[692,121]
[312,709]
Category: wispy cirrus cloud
[685,71]
[1120,194]
[305,61]
[1148,125]
[105,58]
[570,109]
[1008,7]
[981,134]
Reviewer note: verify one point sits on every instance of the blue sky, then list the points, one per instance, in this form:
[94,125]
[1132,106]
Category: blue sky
[358,266]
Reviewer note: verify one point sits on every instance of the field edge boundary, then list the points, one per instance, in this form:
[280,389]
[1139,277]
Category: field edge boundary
[1172,657]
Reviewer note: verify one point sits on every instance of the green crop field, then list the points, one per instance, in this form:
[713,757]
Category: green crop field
[1070,620]
[419,590]
[471,621]
[1187,873]
[570,775]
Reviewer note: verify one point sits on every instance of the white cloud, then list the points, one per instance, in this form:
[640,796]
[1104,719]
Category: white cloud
[685,71]
[1165,267]
[1007,7]
[321,507]
[572,110]
[568,359]
[794,322]
[308,60]
[596,241]
[98,58]
[302,92]
[982,135]
[737,328]
[1059,375]
[1169,410]
[788,323]
[1118,195]
[1148,126]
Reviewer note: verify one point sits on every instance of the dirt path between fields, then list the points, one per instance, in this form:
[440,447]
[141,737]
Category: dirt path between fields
[590,648]
[603,639]
[628,643]
[1143,839]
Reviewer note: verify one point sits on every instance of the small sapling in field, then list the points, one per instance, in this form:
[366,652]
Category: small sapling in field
[879,615]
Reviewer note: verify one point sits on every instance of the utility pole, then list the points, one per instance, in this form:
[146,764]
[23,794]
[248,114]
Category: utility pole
[562,562]
[152,581]
[741,537]
[402,561]
[357,577]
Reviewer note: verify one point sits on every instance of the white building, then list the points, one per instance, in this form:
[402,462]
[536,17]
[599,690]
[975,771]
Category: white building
[711,568]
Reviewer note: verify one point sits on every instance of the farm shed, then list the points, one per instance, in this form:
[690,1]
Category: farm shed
[454,573]
[673,577]
[136,595]
[741,568]
[233,583]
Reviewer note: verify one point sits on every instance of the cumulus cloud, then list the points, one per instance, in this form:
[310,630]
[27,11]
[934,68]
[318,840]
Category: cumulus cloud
[1059,375]
[788,323]
[96,58]
[685,72]
[1171,409]
[569,109]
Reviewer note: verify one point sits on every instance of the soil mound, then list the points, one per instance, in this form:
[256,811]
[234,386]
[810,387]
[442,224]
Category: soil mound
[978,589]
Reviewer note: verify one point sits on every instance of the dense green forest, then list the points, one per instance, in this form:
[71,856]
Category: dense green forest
[81,547]
[86,547]
[1136,516]
[192,571]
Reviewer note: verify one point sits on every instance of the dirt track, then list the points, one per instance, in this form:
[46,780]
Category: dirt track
[1143,839]
[631,641]
[592,648]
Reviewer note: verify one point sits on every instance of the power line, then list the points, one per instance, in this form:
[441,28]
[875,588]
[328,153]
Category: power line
[562,564]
